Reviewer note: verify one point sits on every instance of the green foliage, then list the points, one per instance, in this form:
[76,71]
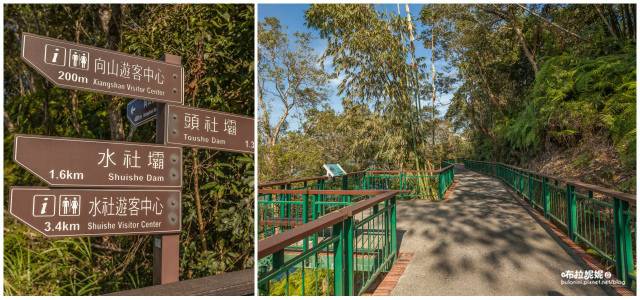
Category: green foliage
[544,81]
[576,97]
[64,268]
[216,45]
[317,282]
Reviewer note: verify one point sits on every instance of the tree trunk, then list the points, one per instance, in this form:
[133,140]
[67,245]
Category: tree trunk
[11,128]
[74,111]
[196,190]
[74,94]
[613,20]
[110,17]
[527,52]
[433,95]
[276,131]
[629,22]
[605,21]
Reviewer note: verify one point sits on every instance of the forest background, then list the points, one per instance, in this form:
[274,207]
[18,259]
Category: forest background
[549,87]
[216,43]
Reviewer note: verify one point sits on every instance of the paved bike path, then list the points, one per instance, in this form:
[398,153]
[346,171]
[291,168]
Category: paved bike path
[480,241]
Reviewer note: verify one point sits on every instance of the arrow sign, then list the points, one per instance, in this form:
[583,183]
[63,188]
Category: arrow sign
[75,66]
[141,111]
[195,127]
[93,163]
[86,212]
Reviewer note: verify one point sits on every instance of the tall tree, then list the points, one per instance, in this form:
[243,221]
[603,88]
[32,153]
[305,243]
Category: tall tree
[291,79]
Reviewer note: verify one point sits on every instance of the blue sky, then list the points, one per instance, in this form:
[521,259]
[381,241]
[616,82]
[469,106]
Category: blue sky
[291,17]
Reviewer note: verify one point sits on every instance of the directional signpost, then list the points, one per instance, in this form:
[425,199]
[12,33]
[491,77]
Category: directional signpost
[141,111]
[151,173]
[210,129]
[75,66]
[93,212]
[95,163]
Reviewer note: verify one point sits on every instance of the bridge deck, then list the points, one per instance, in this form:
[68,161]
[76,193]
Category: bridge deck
[480,242]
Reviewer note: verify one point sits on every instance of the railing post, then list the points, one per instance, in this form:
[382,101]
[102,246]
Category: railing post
[546,197]
[305,218]
[283,207]
[338,260]
[320,197]
[440,186]
[529,189]
[622,236]
[453,173]
[266,227]
[314,216]
[345,186]
[365,181]
[572,214]
[392,217]
[348,255]
[387,229]
[521,182]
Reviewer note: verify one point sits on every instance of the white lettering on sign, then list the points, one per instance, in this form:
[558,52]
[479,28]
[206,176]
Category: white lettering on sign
[210,126]
[230,126]
[156,159]
[122,206]
[192,122]
[106,157]
[121,69]
[130,159]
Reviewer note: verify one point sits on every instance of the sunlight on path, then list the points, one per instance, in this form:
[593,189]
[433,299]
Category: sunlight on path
[480,242]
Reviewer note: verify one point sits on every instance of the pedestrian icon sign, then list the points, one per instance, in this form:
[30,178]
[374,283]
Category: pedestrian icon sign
[44,205]
[69,205]
[79,59]
[55,55]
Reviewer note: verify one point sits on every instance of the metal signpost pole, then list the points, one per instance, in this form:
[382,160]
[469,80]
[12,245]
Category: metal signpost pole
[166,247]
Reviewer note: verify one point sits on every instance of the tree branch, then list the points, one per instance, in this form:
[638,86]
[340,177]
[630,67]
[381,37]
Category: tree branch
[551,23]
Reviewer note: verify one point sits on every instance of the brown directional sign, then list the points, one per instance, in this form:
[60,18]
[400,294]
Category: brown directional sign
[188,126]
[93,212]
[75,66]
[94,163]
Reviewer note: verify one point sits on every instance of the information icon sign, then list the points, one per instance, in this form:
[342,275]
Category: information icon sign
[55,55]
[44,205]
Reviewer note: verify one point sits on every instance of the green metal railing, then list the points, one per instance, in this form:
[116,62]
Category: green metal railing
[599,219]
[280,210]
[351,246]
[286,204]
[409,181]
[406,180]
[364,242]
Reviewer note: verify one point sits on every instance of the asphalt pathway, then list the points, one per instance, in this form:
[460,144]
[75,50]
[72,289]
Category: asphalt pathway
[480,242]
